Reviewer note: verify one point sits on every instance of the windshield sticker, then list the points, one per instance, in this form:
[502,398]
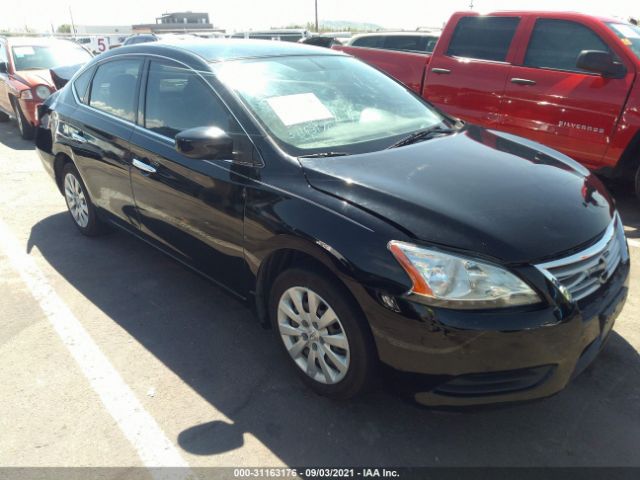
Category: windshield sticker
[299,108]
[22,51]
[626,30]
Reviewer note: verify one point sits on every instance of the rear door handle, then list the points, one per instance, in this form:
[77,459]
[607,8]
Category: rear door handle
[441,71]
[145,167]
[523,81]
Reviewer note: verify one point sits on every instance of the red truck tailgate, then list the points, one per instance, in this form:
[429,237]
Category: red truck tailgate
[407,67]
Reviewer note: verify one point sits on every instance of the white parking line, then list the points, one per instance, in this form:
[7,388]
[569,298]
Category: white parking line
[140,428]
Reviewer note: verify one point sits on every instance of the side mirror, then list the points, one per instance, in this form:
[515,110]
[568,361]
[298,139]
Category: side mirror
[601,62]
[204,143]
[4,67]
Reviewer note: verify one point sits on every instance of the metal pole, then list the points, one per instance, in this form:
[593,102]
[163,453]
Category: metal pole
[316,15]
[73,25]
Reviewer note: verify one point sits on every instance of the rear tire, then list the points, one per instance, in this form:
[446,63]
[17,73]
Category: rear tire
[334,354]
[82,211]
[27,131]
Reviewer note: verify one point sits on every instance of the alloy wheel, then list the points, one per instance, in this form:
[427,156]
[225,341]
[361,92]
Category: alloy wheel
[313,335]
[76,200]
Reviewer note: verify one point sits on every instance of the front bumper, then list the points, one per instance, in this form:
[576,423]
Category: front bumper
[444,357]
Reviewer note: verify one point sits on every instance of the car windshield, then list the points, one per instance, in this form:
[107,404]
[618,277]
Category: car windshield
[629,34]
[327,103]
[44,57]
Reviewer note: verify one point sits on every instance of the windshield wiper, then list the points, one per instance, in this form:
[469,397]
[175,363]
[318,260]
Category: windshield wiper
[423,135]
[325,154]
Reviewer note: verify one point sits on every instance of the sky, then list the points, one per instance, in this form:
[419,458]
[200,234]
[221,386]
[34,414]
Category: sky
[245,14]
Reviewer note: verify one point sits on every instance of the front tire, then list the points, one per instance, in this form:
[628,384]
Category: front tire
[27,131]
[82,211]
[323,334]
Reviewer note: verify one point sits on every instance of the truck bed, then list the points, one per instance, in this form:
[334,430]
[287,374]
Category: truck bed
[407,67]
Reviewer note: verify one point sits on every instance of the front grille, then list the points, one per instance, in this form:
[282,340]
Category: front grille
[585,272]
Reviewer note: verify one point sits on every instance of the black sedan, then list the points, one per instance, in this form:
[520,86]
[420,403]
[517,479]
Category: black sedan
[367,228]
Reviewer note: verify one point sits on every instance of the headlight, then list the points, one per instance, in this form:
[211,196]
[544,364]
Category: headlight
[43,92]
[446,280]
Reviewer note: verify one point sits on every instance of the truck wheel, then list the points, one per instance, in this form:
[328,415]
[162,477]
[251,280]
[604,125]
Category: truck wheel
[27,131]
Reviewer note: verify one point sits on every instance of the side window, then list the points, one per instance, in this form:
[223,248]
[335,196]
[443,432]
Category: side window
[403,42]
[557,43]
[430,44]
[483,38]
[178,99]
[367,42]
[81,84]
[113,89]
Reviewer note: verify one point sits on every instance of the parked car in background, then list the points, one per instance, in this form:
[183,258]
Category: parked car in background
[285,35]
[360,222]
[156,37]
[25,78]
[327,39]
[321,41]
[567,80]
[422,42]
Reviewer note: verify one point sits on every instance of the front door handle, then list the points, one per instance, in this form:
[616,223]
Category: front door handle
[523,81]
[78,137]
[145,167]
[441,71]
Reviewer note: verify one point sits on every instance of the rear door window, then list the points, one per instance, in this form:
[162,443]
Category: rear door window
[372,41]
[483,38]
[413,43]
[114,88]
[178,99]
[556,44]
[81,84]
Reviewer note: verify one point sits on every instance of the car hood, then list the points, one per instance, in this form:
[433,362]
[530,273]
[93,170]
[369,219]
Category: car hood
[479,191]
[35,77]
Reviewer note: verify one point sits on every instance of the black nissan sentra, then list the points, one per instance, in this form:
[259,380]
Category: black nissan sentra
[371,231]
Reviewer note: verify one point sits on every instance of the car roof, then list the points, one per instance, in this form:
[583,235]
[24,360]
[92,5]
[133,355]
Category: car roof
[223,49]
[562,15]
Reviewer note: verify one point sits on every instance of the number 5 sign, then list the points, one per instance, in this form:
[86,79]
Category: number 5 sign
[103,44]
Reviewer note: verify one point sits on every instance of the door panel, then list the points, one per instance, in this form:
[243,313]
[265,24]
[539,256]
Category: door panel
[572,112]
[100,133]
[193,208]
[550,100]
[466,78]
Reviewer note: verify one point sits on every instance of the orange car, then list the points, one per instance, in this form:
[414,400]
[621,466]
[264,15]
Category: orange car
[25,79]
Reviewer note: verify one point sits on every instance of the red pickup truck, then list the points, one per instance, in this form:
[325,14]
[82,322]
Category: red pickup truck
[566,80]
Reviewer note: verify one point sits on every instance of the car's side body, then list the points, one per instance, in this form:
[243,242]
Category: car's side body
[241,221]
